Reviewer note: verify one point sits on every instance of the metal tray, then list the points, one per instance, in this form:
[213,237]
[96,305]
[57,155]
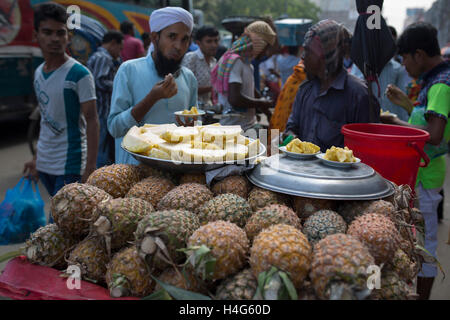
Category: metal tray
[313,179]
[192,167]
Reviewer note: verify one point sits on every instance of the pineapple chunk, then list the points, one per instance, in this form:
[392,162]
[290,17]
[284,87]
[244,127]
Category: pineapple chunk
[159,129]
[176,151]
[159,154]
[298,146]
[212,134]
[181,134]
[193,111]
[236,152]
[135,142]
[339,155]
[253,148]
[242,140]
[208,156]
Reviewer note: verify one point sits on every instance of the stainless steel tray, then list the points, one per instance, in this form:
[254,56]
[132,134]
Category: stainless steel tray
[192,167]
[313,179]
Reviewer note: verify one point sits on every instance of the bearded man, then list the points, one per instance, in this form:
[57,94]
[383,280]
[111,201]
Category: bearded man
[149,90]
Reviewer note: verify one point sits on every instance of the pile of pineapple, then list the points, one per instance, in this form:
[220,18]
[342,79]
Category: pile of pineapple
[138,230]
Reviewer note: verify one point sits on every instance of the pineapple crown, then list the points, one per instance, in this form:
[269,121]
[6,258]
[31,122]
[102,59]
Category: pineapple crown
[202,260]
[275,285]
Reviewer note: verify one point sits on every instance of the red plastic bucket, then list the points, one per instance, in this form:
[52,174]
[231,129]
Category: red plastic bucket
[395,152]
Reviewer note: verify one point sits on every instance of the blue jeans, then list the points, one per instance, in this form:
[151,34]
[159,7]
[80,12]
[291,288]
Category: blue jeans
[55,183]
[106,145]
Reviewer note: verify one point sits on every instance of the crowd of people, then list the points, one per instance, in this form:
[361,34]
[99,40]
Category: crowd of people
[316,89]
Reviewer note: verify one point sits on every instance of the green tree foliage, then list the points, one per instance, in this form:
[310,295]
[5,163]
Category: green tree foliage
[216,10]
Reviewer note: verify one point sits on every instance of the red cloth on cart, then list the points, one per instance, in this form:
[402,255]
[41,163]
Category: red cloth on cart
[22,280]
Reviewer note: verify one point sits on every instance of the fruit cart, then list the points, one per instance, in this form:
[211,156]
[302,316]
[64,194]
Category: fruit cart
[262,212]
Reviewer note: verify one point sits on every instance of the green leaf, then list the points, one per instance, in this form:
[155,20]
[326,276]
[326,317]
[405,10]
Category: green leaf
[429,258]
[10,255]
[289,286]
[180,294]
[159,295]
[202,260]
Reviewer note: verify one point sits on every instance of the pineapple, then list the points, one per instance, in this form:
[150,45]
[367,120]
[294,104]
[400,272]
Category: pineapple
[237,185]
[189,197]
[116,179]
[226,250]
[128,275]
[241,286]
[184,279]
[147,171]
[91,257]
[381,207]
[392,288]
[402,265]
[271,215]
[160,234]
[349,210]
[378,233]
[259,198]
[339,260]
[306,292]
[226,207]
[305,207]
[73,208]
[151,189]
[199,178]
[283,247]
[323,223]
[48,246]
[118,219]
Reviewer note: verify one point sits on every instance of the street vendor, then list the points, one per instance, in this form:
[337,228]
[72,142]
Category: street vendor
[233,77]
[330,98]
[149,90]
[419,47]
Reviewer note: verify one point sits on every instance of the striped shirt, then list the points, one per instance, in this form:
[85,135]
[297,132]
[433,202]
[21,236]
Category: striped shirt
[103,68]
[62,143]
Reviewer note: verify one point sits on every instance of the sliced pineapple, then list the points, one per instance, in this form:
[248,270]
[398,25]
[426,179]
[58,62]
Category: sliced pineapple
[193,111]
[253,148]
[339,155]
[236,152]
[135,142]
[298,146]
[181,134]
[159,154]
[208,156]
[213,134]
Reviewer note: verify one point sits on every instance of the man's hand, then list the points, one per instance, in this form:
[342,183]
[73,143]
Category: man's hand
[287,134]
[263,106]
[398,97]
[87,172]
[165,89]
[30,171]
[388,119]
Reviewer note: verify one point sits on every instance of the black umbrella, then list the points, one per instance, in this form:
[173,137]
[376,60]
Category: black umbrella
[371,48]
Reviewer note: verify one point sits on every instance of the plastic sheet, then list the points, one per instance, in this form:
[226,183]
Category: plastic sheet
[22,280]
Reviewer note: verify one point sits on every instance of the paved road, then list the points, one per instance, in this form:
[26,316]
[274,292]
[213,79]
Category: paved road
[14,153]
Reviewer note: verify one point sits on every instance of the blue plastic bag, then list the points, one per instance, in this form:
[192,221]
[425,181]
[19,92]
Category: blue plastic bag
[21,212]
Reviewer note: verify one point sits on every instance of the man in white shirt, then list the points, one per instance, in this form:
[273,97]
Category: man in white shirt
[68,140]
[203,60]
